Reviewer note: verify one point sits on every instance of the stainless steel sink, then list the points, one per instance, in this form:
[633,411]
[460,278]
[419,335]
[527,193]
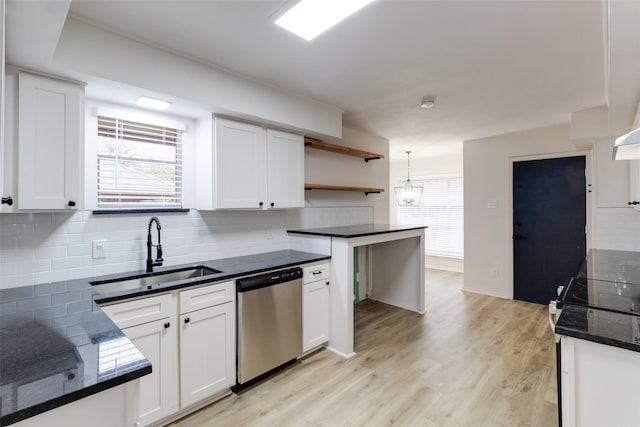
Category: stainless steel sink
[148,280]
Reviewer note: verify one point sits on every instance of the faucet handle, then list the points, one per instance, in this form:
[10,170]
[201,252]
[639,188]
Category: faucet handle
[159,253]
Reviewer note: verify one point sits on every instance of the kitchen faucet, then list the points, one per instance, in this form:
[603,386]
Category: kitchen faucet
[150,261]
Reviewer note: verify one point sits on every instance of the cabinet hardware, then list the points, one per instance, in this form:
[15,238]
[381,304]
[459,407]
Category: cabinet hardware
[187,320]
[326,283]
[261,204]
[635,202]
[315,273]
[72,203]
[166,325]
[272,204]
[71,376]
[7,200]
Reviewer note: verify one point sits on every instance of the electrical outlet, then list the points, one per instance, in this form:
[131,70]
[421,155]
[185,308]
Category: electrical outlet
[493,271]
[269,234]
[99,249]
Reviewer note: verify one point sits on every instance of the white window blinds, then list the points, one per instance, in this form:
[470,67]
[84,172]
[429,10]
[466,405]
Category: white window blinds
[442,210]
[139,164]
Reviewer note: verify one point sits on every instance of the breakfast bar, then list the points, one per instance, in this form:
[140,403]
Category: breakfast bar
[396,272]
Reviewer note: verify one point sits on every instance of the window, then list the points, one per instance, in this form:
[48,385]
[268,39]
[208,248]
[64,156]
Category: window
[139,164]
[442,210]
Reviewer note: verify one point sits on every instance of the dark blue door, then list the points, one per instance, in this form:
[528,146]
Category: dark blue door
[549,219]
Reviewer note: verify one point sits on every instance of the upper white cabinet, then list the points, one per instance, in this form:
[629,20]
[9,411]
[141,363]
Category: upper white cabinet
[285,170]
[49,143]
[634,184]
[248,167]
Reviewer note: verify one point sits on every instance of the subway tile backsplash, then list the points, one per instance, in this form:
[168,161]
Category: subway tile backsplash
[50,247]
[617,229]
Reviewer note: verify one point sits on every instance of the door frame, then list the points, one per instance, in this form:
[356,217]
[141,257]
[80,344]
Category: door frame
[590,197]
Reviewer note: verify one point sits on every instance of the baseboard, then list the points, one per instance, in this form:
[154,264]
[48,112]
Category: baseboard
[442,263]
[484,292]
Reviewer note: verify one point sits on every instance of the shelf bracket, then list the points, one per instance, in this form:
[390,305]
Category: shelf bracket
[366,193]
[371,158]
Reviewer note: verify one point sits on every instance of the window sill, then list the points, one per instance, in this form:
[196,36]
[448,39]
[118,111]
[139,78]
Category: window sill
[138,211]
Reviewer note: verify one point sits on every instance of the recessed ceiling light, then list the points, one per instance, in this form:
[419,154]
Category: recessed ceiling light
[156,104]
[427,102]
[309,18]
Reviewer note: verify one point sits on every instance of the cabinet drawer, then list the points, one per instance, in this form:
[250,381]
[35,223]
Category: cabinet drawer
[140,311]
[206,296]
[315,272]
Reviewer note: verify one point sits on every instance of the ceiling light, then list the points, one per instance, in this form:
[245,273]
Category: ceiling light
[427,102]
[409,194]
[156,104]
[309,18]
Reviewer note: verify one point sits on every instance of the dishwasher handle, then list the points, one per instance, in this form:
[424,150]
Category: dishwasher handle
[268,279]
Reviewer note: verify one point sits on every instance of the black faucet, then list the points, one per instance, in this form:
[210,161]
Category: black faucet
[150,261]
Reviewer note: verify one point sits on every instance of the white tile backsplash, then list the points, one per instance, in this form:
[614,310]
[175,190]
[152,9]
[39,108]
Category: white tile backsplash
[617,229]
[51,247]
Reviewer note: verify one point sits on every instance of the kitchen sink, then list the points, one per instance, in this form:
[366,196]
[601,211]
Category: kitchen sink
[148,280]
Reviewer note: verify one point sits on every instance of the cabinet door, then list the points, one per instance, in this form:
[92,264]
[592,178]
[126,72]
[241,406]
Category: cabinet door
[240,172]
[315,314]
[634,184]
[285,170]
[49,144]
[207,353]
[158,341]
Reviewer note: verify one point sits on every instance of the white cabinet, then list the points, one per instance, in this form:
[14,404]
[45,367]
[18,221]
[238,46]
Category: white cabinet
[207,342]
[151,324]
[598,384]
[315,306]
[248,167]
[159,390]
[634,184]
[285,170]
[50,114]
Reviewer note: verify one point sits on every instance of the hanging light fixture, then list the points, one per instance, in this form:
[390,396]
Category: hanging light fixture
[409,194]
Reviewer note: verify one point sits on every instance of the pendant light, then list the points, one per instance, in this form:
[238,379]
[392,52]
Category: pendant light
[409,194]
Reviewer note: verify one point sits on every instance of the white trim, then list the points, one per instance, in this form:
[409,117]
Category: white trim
[590,205]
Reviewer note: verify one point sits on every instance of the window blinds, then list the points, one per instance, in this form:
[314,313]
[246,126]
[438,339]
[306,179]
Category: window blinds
[139,165]
[442,210]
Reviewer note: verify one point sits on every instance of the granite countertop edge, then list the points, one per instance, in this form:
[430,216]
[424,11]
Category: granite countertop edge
[84,294]
[352,231]
[612,327]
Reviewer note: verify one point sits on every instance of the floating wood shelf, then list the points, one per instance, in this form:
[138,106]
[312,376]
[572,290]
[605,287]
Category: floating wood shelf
[365,190]
[326,146]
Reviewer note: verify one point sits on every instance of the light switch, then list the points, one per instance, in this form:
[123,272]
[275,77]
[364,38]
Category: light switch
[99,249]
[492,204]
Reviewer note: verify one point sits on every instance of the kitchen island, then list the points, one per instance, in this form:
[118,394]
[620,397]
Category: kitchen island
[599,341]
[396,272]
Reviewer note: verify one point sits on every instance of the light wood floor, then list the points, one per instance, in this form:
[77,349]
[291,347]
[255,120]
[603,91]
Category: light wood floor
[472,360]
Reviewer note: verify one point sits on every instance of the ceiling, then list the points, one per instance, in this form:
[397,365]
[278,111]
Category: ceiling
[493,66]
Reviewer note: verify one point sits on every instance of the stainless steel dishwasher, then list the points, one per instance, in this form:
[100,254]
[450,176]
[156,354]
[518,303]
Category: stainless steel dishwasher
[269,324]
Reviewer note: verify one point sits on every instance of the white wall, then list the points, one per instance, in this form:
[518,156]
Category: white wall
[487,176]
[92,51]
[323,167]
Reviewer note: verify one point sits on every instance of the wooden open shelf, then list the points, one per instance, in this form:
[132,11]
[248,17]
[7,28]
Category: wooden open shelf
[365,190]
[326,146]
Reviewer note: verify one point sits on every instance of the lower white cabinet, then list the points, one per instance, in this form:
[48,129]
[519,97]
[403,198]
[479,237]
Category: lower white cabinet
[315,306]
[151,324]
[598,384]
[189,338]
[158,390]
[207,352]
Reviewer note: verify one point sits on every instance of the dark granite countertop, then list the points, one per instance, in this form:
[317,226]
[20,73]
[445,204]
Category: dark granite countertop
[54,337]
[360,230]
[602,303]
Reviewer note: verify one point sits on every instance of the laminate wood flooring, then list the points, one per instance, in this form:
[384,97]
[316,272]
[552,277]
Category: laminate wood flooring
[471,360]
